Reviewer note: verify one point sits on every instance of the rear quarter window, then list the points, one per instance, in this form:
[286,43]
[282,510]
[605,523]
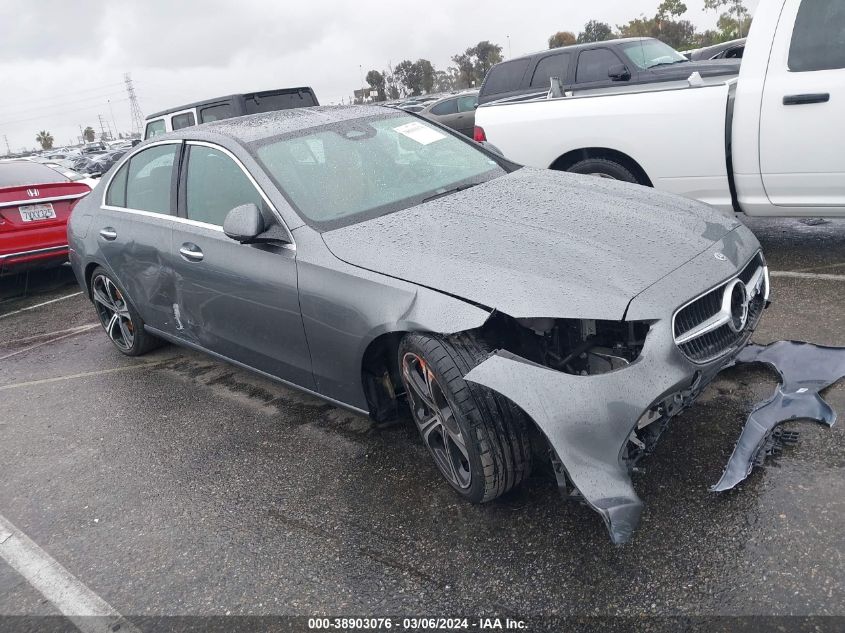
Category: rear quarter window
[505,77]
[270,102]
[216,112]
[154,128]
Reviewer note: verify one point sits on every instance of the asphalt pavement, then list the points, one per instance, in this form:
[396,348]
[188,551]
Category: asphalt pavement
[174,484]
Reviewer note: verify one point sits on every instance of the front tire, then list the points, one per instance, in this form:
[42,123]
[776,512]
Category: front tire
[604,168]
[479,440]
[119,318]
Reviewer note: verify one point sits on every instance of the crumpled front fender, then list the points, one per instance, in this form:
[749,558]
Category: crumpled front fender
[588,419]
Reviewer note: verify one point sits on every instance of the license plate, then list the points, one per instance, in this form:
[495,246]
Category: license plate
[33,212]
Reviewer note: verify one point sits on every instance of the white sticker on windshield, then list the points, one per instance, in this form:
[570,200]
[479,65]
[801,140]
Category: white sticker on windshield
[420,133]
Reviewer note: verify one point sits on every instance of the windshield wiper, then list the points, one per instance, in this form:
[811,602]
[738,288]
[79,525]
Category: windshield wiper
[450,191]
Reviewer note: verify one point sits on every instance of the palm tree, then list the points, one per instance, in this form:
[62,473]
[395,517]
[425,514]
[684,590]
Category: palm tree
[88,134]
[45,139]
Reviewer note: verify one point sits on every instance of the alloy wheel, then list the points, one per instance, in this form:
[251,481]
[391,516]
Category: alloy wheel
[436,421]
[113,312]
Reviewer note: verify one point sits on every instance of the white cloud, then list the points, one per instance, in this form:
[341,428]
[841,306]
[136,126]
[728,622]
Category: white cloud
[61,62]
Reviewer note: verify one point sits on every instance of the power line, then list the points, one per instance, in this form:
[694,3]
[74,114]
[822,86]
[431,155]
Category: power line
[60,104]
[93,106]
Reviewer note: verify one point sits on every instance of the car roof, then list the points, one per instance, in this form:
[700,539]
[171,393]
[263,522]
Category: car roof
[255,127]
[214,100]
[576,47]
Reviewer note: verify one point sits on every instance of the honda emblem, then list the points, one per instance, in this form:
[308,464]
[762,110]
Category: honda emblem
[32,193]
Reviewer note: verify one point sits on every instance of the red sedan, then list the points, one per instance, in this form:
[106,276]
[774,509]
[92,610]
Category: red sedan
[35,204]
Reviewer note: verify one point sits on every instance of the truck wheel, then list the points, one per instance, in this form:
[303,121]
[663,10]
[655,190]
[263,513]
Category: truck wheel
[479,440]
[604,168]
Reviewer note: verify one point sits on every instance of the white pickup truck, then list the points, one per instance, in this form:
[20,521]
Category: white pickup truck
[768,143]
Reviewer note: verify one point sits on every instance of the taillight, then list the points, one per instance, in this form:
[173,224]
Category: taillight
[478,134]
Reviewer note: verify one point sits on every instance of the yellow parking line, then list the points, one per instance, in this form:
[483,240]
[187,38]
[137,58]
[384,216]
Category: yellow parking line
[86,374]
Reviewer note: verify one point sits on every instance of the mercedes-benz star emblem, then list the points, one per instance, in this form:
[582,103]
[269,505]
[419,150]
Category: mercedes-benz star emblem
[720,256]
[739,305]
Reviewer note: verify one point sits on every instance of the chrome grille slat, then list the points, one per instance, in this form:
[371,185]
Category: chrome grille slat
[707,314]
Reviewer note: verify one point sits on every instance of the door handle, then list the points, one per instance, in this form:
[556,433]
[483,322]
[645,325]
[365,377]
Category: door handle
[821,97]
[191,252]
[108,233]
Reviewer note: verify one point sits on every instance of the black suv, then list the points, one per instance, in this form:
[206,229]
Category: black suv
[596,65]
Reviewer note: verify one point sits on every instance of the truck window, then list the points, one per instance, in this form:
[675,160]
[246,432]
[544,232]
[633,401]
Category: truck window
[818,39]
[505,77]
[551,66]
[271,102]
[185,119]
[154,128]
[216,112]
[594,64]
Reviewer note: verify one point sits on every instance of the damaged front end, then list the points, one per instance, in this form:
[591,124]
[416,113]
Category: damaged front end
[603,391]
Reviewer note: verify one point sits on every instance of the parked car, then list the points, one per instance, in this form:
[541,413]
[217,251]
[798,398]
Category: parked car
[726,50]
[227,107]
[597,66]
[780,126]
[376,260]
[35,203]
[454,111]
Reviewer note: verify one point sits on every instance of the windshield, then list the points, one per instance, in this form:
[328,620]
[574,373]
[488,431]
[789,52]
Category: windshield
[649,53]
[354,170]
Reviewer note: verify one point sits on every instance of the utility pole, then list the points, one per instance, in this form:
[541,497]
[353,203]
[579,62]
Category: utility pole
[112,116]
[103,135]
[135,113]
[8,149]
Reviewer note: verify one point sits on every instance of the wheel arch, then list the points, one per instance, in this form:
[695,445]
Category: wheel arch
[380,375]
[567,160]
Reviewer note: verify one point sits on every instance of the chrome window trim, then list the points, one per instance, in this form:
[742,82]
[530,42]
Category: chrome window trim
[717,320]
[188,221]
[17,203]
[34,252]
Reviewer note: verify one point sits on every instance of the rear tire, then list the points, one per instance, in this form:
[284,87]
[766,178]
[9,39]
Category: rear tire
[604,168]
[480,442]
[119,318]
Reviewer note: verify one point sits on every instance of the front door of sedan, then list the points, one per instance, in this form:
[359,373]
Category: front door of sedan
[236,300]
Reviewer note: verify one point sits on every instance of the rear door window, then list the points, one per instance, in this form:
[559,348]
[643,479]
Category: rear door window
[154,128]
[505,77]
[467,104]
[216,112]
[450,106]
[186,119]
[215,185]
[818,39]
[594,64]
[149,182]
[551,66]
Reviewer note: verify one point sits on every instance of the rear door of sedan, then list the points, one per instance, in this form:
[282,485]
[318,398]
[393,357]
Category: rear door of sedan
[239,301]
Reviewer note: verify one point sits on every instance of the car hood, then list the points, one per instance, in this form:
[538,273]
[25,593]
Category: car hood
[537,243]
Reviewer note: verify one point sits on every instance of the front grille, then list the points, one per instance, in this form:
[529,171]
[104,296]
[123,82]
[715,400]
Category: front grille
[706,327]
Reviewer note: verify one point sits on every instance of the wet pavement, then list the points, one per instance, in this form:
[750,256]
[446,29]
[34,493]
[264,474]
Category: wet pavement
[177,484]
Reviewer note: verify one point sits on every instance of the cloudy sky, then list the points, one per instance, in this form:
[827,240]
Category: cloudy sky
[62,63]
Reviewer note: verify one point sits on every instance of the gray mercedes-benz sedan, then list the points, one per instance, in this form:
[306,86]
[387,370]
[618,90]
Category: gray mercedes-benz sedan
[389,265]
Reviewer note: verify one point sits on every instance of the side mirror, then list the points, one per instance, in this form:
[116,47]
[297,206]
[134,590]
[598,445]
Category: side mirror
[619,72]
[244,223]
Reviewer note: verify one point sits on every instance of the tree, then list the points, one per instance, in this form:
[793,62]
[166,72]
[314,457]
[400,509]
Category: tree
[595,31]
[737,11]
[674,8]
[562,38]
[425,70]
[415,77]
[376,81]
[443,81]
[472,65]
[45,139]
[88,134]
